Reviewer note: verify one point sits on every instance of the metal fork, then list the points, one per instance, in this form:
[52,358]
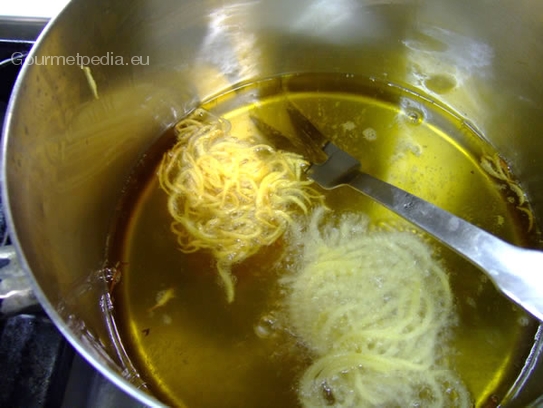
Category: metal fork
[515,271]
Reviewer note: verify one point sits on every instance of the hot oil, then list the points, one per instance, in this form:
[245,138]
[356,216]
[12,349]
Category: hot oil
[194,349]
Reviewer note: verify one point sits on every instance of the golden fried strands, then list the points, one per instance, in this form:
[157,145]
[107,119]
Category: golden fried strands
[373,307]
[230,195]
[496,167]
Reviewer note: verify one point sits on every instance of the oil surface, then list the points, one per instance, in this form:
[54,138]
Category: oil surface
[196,350]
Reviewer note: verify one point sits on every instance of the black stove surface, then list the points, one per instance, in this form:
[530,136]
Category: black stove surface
[38,367]
[34,360]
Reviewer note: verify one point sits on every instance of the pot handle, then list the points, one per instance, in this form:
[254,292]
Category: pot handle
[16,294]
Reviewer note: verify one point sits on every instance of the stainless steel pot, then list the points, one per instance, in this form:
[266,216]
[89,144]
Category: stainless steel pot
[73,134]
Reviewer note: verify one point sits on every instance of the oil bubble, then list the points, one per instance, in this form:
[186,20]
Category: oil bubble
[265,328]
[369,134]
[414,116]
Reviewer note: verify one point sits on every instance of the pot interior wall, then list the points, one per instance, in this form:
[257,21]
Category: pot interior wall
[68,152]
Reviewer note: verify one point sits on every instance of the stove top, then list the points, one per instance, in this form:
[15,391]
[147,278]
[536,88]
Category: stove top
[38,367]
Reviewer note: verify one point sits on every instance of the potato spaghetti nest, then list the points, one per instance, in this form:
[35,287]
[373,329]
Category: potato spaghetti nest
[230,195]
[374,308]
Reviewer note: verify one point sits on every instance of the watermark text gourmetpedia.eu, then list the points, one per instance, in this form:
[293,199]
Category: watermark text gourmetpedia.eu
[79,60]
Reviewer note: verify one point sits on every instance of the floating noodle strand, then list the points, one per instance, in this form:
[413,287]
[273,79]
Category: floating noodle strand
[374,308]
[230,195]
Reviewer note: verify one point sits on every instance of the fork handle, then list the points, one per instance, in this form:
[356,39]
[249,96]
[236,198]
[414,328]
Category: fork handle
[517,272]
